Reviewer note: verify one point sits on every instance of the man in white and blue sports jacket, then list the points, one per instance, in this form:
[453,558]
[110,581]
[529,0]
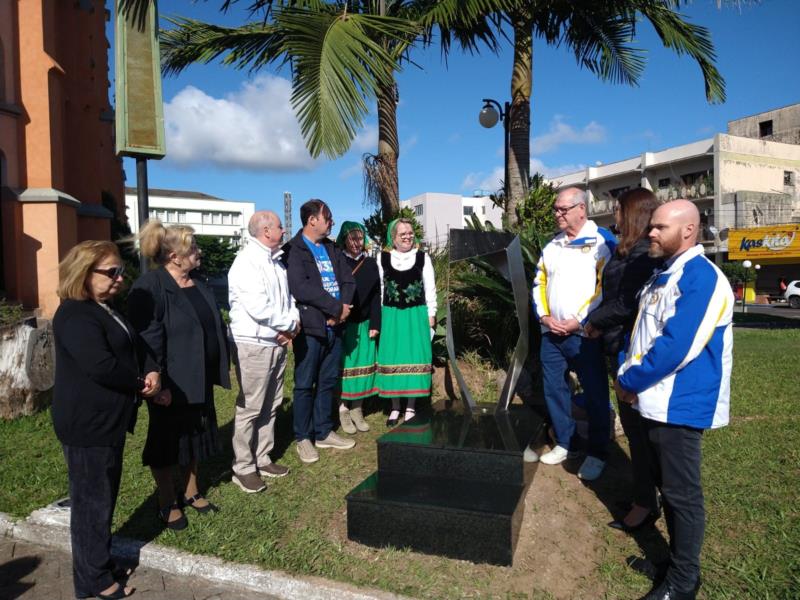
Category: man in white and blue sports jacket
[677,374]
[566,288]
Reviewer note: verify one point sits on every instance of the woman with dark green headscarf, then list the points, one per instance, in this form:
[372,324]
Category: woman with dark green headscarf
[359,349]
[408,292]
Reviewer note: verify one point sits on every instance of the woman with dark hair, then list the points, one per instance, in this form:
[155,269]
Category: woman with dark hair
[623,277]
[360,351]
[178,318]
[99,362]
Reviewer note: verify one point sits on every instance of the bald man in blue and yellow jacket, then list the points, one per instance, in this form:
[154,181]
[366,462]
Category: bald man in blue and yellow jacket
[677,373]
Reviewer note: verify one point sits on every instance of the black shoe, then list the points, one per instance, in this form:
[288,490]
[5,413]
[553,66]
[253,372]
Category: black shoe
[177,524]
[665,591]
[648,521]
[392,422]
[201,509]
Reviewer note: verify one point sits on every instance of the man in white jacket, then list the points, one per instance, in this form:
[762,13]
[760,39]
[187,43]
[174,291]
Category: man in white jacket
[677,374]
[264,319]
[566,288]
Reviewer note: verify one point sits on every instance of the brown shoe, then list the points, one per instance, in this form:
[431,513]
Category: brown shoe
[273,470]
[250,483]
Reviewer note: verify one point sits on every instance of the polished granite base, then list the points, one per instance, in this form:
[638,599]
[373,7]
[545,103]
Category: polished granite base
[450,484]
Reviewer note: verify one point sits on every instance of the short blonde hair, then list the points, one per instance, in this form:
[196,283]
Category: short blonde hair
[74,270]
[156,242]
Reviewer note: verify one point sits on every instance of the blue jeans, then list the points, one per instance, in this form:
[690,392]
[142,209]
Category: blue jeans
[317,363]
[585,357]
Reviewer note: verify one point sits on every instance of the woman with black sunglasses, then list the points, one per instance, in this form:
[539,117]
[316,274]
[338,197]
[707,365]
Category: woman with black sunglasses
[98,364]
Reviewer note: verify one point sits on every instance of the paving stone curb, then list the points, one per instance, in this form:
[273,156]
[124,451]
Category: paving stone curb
[50,527]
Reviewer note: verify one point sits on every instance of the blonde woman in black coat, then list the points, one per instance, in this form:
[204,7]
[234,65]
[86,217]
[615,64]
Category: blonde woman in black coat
[177,316]
[99,366]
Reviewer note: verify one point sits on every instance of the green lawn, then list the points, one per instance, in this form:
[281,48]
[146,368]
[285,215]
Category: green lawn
[751,470]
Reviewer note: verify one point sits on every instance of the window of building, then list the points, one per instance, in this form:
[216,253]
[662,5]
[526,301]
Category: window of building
[182,217]
[216,218]
[663,183]
[226,219]
[765,128]
[418,210]
[468,211]
[788,178]
[483,210]
[206,218]
[237,219]
[173,216]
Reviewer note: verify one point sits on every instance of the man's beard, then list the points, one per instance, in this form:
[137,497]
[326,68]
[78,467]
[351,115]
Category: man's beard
[655,251]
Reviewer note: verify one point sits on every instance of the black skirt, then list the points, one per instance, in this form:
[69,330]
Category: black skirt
[180,433]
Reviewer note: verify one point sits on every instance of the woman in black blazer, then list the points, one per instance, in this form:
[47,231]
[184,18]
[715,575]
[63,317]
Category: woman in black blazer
[94,403]
[623,278]
[177,317]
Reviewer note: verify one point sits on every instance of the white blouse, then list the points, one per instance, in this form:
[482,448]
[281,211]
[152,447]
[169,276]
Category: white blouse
[403,261]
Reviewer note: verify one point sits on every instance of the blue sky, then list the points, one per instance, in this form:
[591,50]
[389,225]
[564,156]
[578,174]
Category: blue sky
[232,134]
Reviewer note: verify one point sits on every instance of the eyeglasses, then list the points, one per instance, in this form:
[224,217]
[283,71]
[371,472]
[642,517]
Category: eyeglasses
[563,210]
[112,273]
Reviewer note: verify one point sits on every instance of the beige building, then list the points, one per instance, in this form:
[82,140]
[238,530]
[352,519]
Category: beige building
[735,180]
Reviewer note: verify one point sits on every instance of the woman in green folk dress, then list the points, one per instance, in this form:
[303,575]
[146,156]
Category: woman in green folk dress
[408,292]
[360,350]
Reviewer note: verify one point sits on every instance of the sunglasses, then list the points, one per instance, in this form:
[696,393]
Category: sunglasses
[112,273]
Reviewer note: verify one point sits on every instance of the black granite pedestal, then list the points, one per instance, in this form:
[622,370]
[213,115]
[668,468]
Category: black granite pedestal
[452,483]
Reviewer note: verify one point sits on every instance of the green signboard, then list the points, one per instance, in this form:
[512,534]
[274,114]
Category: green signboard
[139,106]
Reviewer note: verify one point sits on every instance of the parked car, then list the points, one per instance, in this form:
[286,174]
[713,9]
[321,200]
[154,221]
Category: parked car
[792,294]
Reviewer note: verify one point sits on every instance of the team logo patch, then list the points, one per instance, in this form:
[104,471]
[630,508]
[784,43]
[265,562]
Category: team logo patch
[586,249]
[655,297]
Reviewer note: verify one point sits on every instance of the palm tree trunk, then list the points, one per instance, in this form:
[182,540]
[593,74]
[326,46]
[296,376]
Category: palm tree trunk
[519,152]
[388,153]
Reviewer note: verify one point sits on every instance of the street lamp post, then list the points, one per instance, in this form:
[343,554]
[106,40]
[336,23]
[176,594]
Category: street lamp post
[746,264]
[490,114]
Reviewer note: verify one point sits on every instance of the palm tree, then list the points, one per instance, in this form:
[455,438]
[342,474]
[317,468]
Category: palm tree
[600,35]
[341,55]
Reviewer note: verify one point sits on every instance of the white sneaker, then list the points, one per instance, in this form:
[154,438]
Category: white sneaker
[333,440]
[556,456]
[591,468]
[530,455]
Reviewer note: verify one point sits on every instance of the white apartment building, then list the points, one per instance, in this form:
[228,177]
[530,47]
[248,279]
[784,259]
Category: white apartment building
[208,215]
[438,213]
[735,181]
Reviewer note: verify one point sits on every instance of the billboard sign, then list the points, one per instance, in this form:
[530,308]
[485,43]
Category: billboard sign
[776,242]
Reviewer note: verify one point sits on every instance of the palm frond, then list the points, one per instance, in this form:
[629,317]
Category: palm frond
[252,46]
[337,66]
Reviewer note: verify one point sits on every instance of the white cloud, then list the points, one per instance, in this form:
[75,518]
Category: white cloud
[252,128]
[366,140]
[355,169]
[563,133]
[494,180]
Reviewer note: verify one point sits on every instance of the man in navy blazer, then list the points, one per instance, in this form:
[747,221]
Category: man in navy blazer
[323,286]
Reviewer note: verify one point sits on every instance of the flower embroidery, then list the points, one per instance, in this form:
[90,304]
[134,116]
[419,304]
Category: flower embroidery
[413,291]
[392,291]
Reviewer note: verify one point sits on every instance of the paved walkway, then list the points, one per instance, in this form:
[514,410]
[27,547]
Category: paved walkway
[33,572]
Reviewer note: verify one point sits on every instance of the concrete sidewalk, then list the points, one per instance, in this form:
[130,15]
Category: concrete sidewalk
[35,562]
[34,572]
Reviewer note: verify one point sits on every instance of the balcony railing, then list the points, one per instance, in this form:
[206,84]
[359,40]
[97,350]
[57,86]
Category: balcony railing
[694,191]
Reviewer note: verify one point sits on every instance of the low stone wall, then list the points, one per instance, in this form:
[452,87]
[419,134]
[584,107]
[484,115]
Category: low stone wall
[27,367]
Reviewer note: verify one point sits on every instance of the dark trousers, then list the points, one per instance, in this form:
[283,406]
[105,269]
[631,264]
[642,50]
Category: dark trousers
[316,374]
[644,489]
[584,356]
[94,476]
[675,454]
